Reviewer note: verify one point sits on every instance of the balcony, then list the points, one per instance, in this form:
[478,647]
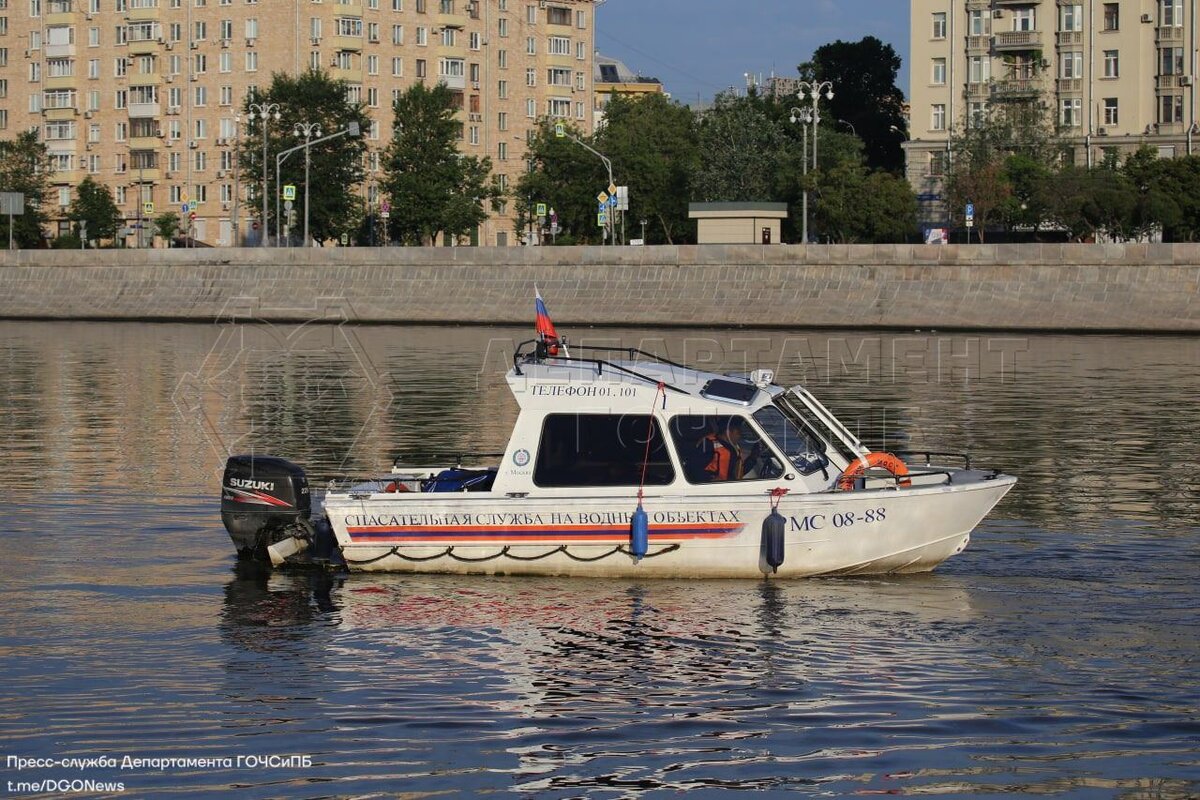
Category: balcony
[1069,85]
[452,20]
[144,143]
[143,110]
[145,175]
[1013,3]
[978,42]
[1171,82]
[348,75]
[1016,88]
[1017,40]
[351,43]
[59,51]
[1070,38]
[60,82]
[456,82]
[978,91]
[60,114]
[54,19]
[1168,35]
[565,60]
[142,14]
[143,47]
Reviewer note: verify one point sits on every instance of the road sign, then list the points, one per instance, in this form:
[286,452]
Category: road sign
[345,238]
[184,197]
[147,207]
[602,219]
[541,209]
[12,203]
[289,191]
[560,130]
[612,201]
[385,214]
[970,222]
[191,205]
[192,216]
[970,211]
[602,198]
[622,198]
[553,217]
[288,205]
[385,206]
[254,225]
[612,188]
[184,208]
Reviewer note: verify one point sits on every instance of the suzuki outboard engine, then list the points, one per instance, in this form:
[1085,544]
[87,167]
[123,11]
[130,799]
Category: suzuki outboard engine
[264,500]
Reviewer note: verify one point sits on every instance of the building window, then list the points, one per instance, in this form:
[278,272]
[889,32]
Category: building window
[979,22]
[939,25]
[939,72]
[975,115]
[557,107]
[1112,16]
[502,120]
[579,450]
[502,27]
[1025,19]
[1071,65]
[1170,109]
[397,34]
[397,67]
[531,108]
[502,90]
[1170,61]
[422,36]
[531,14]
[1170,14]
[531,76]
[530,46]
[979,69]
[1112,64]
[559,46]
[1071,113]
[1070,18]
[502,59]
[502,151]
[1110,111]
[938,117]
[422,69]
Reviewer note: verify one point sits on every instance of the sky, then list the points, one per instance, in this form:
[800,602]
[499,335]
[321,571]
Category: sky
[700,47]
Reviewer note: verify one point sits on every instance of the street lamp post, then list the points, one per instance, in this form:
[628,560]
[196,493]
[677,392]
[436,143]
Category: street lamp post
[611,228]
[815,90]
[237,186]
[308,130]
[352,130]
[264,112]
[803,116]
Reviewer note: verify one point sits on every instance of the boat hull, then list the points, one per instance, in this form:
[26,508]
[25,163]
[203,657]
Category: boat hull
[885,531]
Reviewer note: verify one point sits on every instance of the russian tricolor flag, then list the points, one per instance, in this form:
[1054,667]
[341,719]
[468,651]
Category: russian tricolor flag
[545,326]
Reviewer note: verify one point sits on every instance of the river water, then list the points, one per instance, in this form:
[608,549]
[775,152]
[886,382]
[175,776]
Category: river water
[1056,656]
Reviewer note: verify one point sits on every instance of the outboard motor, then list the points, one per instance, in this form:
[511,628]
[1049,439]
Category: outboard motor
[264,501]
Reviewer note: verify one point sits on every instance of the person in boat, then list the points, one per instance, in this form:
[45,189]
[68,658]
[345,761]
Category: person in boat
[729,458]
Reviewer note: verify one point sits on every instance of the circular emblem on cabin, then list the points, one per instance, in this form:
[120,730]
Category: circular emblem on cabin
[521,458]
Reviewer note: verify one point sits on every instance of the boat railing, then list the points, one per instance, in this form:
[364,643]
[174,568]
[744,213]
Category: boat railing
[540,355]
[929,455]
[455,460]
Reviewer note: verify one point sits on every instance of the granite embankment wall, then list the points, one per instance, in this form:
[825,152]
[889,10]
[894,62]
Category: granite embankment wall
[1053,287]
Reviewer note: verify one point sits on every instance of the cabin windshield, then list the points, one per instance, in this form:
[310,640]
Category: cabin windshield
[816,432]
[805,450]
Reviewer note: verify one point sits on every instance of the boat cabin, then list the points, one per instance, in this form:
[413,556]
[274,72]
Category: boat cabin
[589,421]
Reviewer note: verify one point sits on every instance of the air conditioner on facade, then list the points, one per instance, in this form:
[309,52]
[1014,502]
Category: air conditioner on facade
[170,45]
[1185,80]
[224,44]
[193,144]
[997,14]
[193,77]
[474,84]
[1102,132]
[251,41]
[316,40]
[195,45]
[170,79]
[87,115]
[1147,18]
[224,206]
[220,173]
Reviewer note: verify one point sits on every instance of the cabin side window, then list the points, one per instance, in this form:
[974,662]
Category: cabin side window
[715,448]
[581,450]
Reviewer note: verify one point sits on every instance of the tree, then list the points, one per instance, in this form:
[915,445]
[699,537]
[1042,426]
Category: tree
[93,205]
[25,168]
[655,150]
[336,166]
[434,189]
[741,143]
[857,204]
[1086,201]
[865,94]
[166,226]
[565,177]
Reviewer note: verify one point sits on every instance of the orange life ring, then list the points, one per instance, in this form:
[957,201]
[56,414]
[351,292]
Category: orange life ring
[887,461]
[395,486]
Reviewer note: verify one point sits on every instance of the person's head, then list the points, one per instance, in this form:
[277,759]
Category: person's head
[734,431]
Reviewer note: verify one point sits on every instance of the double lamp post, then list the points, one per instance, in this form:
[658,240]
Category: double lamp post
[806,117]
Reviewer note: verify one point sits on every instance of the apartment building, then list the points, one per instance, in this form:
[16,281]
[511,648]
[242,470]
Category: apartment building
[1115,74]
[144,95]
